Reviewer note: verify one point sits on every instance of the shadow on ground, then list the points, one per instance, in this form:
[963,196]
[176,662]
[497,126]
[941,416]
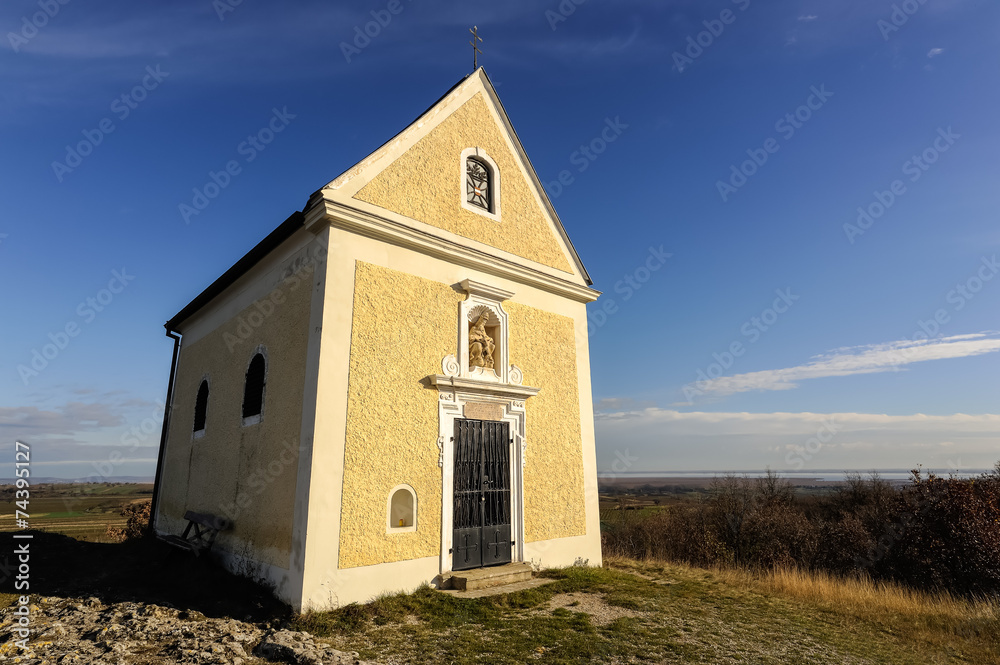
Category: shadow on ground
[146,571]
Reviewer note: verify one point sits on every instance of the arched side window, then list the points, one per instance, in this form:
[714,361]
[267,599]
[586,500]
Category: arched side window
[402,510]
[480,183]
[253,390]
[201,409]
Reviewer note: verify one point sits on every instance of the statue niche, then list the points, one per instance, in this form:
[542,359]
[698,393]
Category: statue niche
[481,343]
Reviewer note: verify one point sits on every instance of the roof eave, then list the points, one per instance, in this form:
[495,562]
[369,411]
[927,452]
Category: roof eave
[249,260]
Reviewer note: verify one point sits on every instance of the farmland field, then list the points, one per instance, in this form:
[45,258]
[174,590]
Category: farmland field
[81,510]
[648,496]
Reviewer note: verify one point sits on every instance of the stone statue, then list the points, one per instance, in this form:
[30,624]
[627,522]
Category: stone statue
[481,345]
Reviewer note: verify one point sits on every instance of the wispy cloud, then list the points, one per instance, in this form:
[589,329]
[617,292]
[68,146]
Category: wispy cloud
[780,422]
[32,423]
[193,30]
[848,361]
[808,18]
[118,433]
[621,404]
[100,416]
[935,52]
[101,52]
[592,46]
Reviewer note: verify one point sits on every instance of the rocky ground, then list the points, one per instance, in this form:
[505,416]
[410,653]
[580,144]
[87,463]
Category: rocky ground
[84,631]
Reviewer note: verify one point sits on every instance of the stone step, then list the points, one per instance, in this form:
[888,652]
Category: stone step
[482,578]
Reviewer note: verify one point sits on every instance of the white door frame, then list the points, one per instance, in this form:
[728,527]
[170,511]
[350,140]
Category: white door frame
[454,394]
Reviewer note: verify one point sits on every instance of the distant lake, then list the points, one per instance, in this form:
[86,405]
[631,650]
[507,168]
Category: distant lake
[824,475]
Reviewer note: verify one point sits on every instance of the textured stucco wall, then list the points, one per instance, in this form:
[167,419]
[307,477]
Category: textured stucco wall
[245,473]
[403,327]
[424,184]
[543,345]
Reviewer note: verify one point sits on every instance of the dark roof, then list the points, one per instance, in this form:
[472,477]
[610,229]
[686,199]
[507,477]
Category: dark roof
[240,268]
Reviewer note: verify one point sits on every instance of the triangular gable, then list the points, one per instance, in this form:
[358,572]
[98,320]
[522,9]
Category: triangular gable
[418,175]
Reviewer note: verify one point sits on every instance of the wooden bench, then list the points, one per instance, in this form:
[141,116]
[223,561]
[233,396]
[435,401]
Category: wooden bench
[200,533]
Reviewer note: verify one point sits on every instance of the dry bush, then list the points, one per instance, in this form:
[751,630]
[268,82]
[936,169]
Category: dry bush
[845,544]
[948,535]
[934,534]
[759,522]
[677,533]
[780,536]
[137,525]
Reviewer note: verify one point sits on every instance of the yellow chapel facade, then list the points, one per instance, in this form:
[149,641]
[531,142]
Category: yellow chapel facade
[395,384]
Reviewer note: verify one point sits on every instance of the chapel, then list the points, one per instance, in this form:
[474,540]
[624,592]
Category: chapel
[394,385]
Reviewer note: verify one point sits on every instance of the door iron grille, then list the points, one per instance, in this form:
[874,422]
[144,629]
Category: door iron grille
[482,509]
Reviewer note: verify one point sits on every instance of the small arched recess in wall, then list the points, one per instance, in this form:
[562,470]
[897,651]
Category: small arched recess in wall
[401,510]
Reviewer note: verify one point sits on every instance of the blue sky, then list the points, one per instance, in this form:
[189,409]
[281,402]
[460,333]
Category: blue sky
[833,100]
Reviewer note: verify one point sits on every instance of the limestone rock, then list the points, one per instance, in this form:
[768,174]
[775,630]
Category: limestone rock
[85,631]
[300,648]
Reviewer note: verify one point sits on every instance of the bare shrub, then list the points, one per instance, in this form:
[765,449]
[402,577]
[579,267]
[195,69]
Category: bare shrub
[137,525]
[950,537]
[935,533]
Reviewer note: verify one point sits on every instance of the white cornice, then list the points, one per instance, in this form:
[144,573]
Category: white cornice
[507,391]
[367,224]
[496,294]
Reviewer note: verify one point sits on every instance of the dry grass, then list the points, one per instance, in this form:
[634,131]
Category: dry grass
[864,597]
[934,627]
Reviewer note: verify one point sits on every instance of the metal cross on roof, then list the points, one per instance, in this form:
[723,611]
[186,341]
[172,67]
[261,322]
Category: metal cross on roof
[476,40]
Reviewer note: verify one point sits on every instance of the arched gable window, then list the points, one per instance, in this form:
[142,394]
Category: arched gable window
[479,183]
[201,409]
[253,390]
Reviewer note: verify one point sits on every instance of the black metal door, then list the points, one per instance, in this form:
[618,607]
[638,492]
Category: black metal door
[481,535]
